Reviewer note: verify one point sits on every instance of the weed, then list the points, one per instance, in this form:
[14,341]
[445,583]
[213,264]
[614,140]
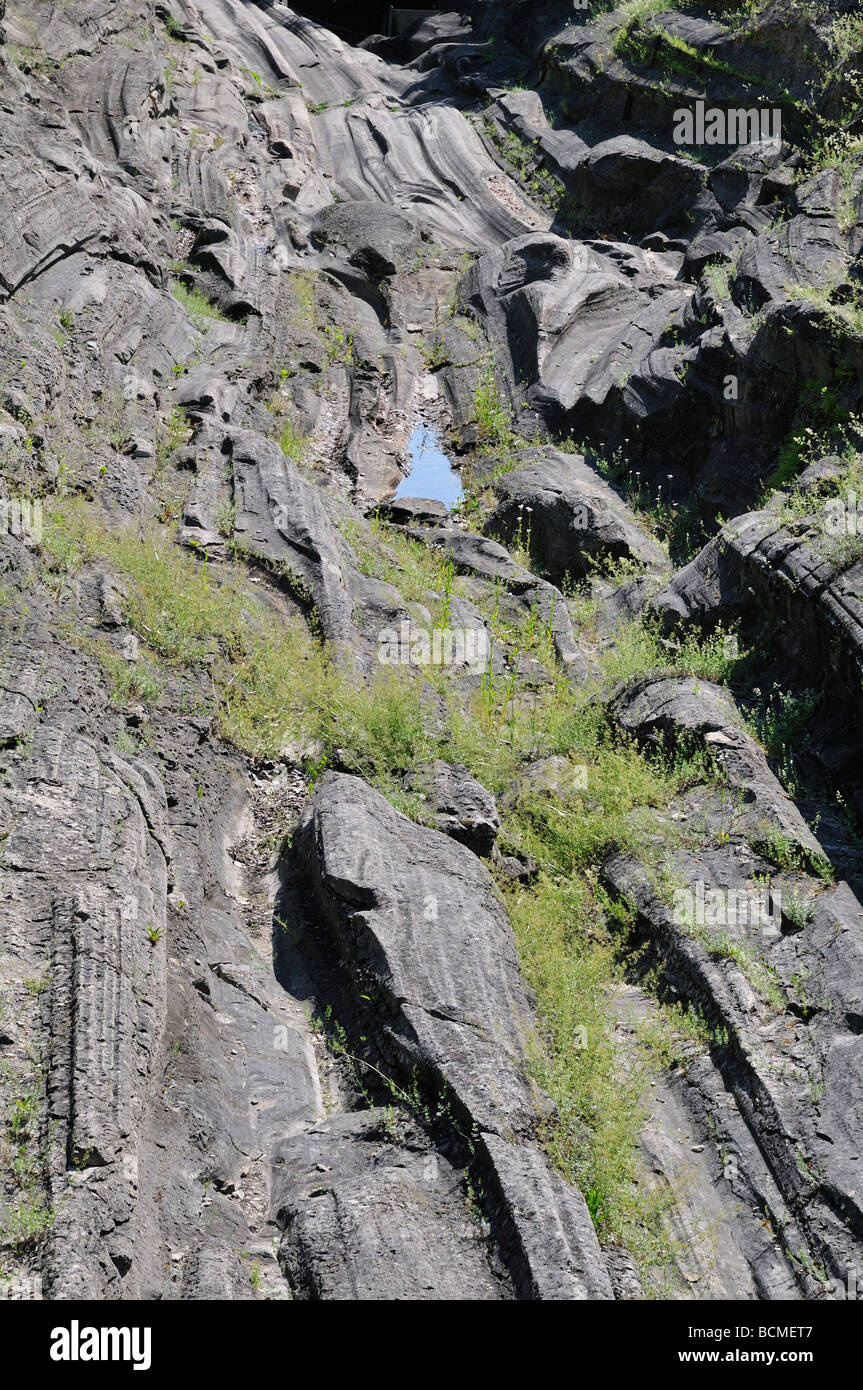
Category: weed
[199,308]
[293,441]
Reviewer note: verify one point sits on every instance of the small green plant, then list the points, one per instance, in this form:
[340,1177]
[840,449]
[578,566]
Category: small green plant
[293,441]
[130,681]
[434,349]
[720,277]
[26,1223]
[798,908]
[199,308]
[306,309]
[339,343]
[791,856]
[22,1116]
[845,37]
[449,573]
[171,436]
[226,520]
[492,416]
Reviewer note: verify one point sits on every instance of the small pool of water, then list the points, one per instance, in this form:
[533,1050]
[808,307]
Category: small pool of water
[432,474]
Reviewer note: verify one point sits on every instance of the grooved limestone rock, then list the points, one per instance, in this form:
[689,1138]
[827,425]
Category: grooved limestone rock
[568,516]
[430,958]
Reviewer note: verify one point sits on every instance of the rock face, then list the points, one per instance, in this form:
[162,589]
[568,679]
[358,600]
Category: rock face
[756,562]
[395,896]
[466,1029]
[107,991]
[673,709]
[373,1212]
[261,1034]
[820,945]
[128,959]
[408,511]
[568,517]
[461,806]
[601,178]
[283,520]
[571,318]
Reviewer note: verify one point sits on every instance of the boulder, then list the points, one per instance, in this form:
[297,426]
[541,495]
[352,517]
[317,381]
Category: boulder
[569,518]
[460,805]
[432,967]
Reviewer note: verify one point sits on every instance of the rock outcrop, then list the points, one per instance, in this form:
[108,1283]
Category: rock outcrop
[433,972]
[324,810]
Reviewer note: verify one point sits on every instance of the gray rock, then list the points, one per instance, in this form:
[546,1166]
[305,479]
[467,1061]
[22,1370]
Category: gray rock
[375,238]
[461,806]
[384,885]
[283,519]
[561,314]
[659,709]
[568,516]
[371,1210]
[414,511]
[757,564]
[725,983]
[460,1023]
[238,227]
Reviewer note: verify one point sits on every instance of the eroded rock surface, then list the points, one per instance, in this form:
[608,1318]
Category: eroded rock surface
[434,974]
[261,1034]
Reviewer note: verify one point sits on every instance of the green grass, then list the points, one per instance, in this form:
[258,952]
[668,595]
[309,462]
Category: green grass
[561,922]
[261,675]
[525,164]
[293,442]
[633,14]
[338,343]
[199,308]
[563,927]
[25,1216]
[648,44]
[270,681]
[492,416]
[130,682]
[386,553]
[846,37]
[305,311]
[792,857]
[847,314]
[171,436]
[807,445]
[720,276]
[25,1222]
[823,428]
